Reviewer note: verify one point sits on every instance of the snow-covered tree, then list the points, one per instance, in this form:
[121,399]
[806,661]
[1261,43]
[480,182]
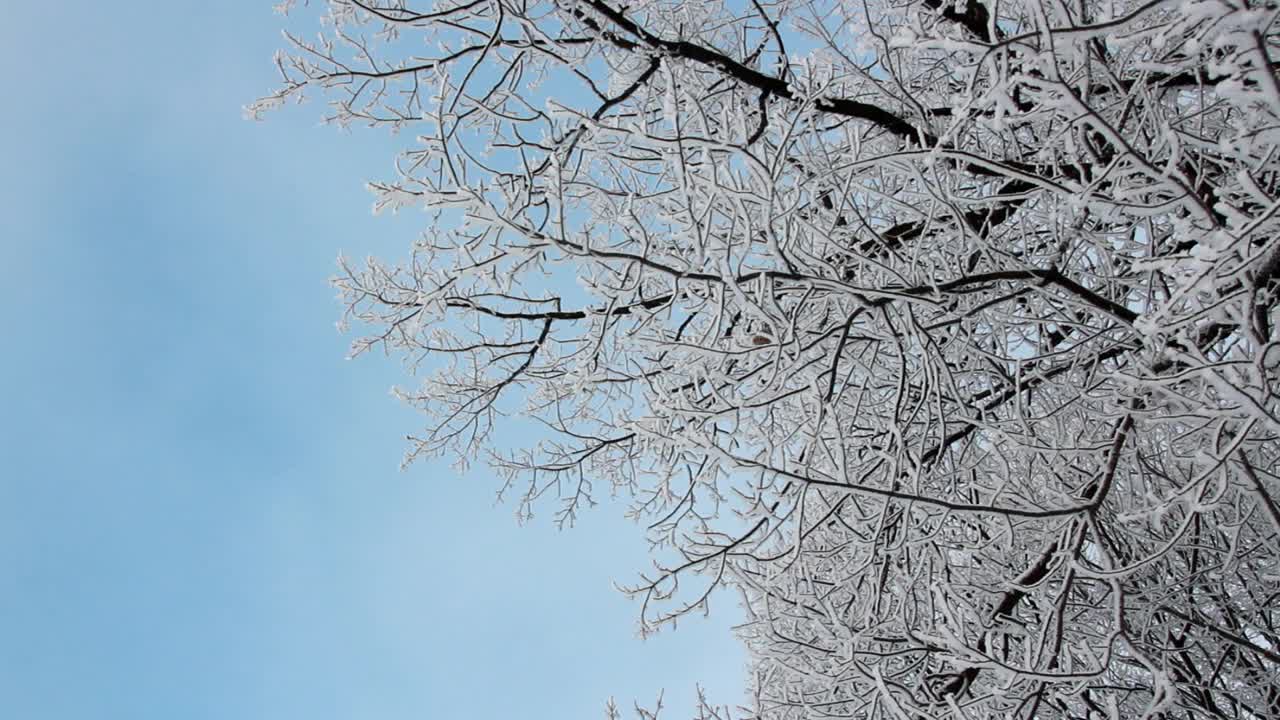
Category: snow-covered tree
[944,332]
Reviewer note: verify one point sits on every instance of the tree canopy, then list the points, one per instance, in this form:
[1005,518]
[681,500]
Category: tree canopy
[943,332]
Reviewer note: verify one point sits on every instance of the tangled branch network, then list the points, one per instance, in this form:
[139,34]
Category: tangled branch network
[944,333]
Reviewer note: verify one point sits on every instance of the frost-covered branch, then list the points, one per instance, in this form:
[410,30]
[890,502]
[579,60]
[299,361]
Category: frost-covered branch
[944,333]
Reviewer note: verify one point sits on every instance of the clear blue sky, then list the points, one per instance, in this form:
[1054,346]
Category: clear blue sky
[201,514]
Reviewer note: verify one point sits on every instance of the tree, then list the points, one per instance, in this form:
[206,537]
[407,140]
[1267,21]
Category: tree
[945,332]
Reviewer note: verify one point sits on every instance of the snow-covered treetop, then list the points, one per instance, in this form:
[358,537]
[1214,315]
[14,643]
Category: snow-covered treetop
[943,332]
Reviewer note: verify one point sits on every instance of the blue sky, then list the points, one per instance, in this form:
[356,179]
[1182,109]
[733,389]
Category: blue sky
[201,514]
